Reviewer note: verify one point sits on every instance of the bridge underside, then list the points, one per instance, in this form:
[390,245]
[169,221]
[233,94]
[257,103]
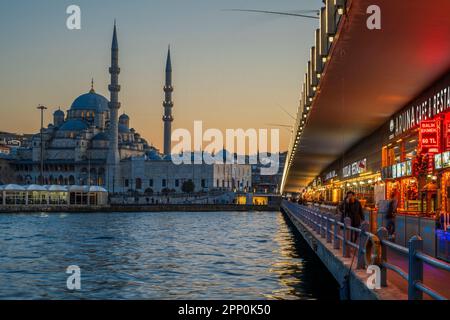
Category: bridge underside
[371,74]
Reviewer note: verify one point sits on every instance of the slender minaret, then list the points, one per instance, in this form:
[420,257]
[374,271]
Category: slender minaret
[113,160]
[168,105]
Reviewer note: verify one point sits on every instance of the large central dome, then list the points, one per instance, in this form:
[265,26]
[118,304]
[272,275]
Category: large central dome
[91,101]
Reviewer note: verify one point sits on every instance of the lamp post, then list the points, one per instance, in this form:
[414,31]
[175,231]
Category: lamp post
[42,108]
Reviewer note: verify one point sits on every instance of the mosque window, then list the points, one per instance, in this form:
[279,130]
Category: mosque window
[138,183]
[164,183]
[150,183]
[177,183]
[127,183]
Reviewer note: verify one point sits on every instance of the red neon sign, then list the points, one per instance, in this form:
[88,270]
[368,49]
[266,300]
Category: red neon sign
[430,136]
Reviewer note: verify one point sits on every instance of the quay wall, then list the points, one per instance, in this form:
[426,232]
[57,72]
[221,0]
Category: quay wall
[339,266]
[139,208]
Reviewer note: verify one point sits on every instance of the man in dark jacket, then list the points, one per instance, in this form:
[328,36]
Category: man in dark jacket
[352,208]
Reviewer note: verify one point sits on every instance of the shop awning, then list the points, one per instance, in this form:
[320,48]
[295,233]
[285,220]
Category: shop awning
[371,75]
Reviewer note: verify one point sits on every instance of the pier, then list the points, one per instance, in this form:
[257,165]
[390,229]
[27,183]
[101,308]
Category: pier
[406,273]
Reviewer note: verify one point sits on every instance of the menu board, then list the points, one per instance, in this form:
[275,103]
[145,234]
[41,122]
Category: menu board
[400,170]
[438,161]
[446,159]
[409,168]
[403,168]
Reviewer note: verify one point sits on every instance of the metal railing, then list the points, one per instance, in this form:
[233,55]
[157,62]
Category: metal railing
[371,249]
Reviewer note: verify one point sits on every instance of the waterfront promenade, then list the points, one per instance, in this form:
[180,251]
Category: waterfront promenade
[397,287]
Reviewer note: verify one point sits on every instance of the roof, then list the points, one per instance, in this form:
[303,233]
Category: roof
[74,125]
[370,75]
[91,101]
[102,136]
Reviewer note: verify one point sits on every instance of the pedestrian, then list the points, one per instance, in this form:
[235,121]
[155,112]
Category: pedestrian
[352,208]
[390,215]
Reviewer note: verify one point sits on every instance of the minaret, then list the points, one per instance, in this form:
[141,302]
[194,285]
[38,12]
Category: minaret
[168,105]
[113,159]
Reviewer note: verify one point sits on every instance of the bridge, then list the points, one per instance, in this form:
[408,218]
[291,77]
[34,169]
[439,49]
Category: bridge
[406,273]
[357,78]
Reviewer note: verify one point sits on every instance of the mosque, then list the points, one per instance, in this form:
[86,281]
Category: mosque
[91,144]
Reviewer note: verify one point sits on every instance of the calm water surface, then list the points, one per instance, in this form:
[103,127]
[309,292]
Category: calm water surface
[178,255]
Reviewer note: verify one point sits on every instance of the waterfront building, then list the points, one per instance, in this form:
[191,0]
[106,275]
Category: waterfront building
[52,195]
[92,145]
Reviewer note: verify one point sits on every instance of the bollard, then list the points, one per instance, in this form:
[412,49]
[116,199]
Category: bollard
[336,233]
[415,273]
[328,229]
[382,234]
[362,244]
[345,247]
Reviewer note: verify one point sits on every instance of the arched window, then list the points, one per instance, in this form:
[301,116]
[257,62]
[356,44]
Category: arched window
[138,183]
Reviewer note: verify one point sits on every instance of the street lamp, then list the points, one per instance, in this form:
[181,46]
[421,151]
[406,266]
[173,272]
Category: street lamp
[42,108]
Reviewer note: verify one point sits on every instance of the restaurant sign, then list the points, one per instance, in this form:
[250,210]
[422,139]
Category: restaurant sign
[355,168]
[425,110]
[331,175]
[430,136]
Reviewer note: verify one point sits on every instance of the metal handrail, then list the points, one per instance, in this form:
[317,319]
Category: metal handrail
[433,261]
[318,222]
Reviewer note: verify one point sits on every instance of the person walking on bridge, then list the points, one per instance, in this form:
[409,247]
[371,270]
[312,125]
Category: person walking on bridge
[352,208]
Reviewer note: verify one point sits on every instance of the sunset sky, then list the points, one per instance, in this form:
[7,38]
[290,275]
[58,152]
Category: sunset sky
[231,69]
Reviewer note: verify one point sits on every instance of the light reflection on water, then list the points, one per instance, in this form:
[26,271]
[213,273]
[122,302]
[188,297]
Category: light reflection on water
[178,255]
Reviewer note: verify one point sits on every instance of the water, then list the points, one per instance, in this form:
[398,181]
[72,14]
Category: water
[178,255]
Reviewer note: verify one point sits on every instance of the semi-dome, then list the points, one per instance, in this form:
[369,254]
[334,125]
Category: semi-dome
[102,136]
[91,101]
[74,125]
[153,155]
[124,117]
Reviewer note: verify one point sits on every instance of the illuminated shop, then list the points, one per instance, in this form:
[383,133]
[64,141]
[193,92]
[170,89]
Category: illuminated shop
[416,169]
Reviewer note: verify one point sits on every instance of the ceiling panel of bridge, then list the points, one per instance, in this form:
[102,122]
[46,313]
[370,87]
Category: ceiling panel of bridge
[371,75]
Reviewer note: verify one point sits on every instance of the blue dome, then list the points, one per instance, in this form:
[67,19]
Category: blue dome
[74,125]
[154,156]
[91,101]
[59,113]
[101,136]
[123,128]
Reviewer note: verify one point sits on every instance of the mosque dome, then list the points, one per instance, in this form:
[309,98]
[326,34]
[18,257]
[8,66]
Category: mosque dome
[124,117]
[74,125]
[102,136]
[154,156]
[59,112]
[91,101]
[123,128]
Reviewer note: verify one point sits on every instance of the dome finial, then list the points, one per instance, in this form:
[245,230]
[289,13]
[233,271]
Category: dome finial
[92,86]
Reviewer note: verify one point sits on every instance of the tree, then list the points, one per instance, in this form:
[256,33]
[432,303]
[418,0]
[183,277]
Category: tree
[188,186]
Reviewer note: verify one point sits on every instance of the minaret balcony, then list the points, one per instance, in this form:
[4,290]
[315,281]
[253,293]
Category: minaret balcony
[168,89]
[167,104]
[114,88]
[114,70]
[114,105]
[167,118]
